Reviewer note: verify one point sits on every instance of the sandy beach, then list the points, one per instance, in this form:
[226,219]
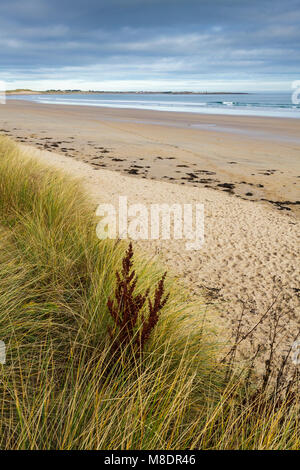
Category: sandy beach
[252,158]
[250,259]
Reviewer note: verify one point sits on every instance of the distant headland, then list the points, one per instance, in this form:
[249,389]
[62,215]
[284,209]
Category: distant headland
[21,91]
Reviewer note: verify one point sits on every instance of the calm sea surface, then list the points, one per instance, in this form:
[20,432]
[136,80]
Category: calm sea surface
[253,104]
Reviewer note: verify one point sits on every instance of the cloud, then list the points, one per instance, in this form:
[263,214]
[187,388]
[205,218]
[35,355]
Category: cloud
[136,40]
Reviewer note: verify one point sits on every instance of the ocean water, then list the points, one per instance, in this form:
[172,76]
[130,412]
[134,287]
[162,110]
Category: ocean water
[252,104]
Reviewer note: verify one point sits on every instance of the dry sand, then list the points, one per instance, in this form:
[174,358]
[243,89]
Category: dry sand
[251,251]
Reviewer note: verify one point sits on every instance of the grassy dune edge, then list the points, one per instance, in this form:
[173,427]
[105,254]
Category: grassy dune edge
[60,388]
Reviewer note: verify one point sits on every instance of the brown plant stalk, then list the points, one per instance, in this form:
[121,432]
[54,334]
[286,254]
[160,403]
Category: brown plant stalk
[131,327]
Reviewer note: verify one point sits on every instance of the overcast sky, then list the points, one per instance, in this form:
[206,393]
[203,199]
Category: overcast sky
[236,45]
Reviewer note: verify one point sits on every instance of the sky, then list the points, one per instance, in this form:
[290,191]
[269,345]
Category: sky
[156,45]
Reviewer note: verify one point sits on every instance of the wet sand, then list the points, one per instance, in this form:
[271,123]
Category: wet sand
[252,158]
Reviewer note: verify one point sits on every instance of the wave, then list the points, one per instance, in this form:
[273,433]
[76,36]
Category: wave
[245,105]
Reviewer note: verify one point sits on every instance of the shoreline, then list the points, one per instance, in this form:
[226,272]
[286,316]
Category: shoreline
[288,124]
[222,112]
[252,158]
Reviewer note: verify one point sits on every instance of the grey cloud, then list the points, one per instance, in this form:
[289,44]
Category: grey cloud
[144,38]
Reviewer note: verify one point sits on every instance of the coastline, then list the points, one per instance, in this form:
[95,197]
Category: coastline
[252,158]
[162,104]
[91,92]
[250,253]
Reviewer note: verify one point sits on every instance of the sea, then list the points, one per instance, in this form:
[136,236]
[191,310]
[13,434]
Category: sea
[252,104]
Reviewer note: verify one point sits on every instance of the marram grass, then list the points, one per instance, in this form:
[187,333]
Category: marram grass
[59,388]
